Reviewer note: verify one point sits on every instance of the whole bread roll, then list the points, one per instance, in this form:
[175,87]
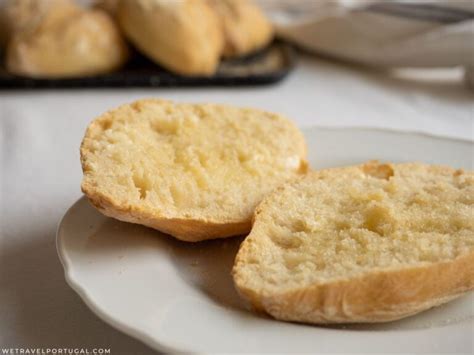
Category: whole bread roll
[57,39]
[245,27]
[183,36]
[22,15]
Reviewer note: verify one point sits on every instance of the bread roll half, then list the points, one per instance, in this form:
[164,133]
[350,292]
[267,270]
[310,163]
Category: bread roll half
[194,171]
[369,243]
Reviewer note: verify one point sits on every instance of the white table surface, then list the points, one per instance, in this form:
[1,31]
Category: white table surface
[40,174]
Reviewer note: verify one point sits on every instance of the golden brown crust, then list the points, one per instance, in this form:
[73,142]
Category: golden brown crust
[67,42]
[109,6]
[184,36]
[189,230]
[18,16]
[245,27]
[377,297]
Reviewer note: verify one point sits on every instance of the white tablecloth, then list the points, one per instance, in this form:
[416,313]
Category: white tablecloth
[40,174]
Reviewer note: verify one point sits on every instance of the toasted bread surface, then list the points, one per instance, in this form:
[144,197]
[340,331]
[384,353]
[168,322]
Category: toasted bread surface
[368,243]
[194,171]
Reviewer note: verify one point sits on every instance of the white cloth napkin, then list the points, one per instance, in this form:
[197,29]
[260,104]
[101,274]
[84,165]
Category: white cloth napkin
[427,34]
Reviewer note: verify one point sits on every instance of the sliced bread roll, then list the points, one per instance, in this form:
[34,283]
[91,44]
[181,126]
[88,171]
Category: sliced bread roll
[194,171]
[369,243]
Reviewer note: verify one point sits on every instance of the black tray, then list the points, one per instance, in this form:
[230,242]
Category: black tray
[267,66]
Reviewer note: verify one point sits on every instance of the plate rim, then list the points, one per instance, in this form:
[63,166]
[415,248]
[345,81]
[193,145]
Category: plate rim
[94,306]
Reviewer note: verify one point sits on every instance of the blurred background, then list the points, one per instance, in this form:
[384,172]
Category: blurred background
[224,42]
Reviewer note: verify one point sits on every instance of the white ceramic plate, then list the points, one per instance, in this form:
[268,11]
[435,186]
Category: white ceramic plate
[180,297]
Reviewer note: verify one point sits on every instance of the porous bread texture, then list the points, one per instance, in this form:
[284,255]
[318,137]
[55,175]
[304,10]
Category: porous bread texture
[369,243]
[194,171]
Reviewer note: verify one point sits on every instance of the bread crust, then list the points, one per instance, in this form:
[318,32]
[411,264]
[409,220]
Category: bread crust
[245,27]
[66,42]
[183,36]
[377,296]
[188,230]
[192,229]
[18,16]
